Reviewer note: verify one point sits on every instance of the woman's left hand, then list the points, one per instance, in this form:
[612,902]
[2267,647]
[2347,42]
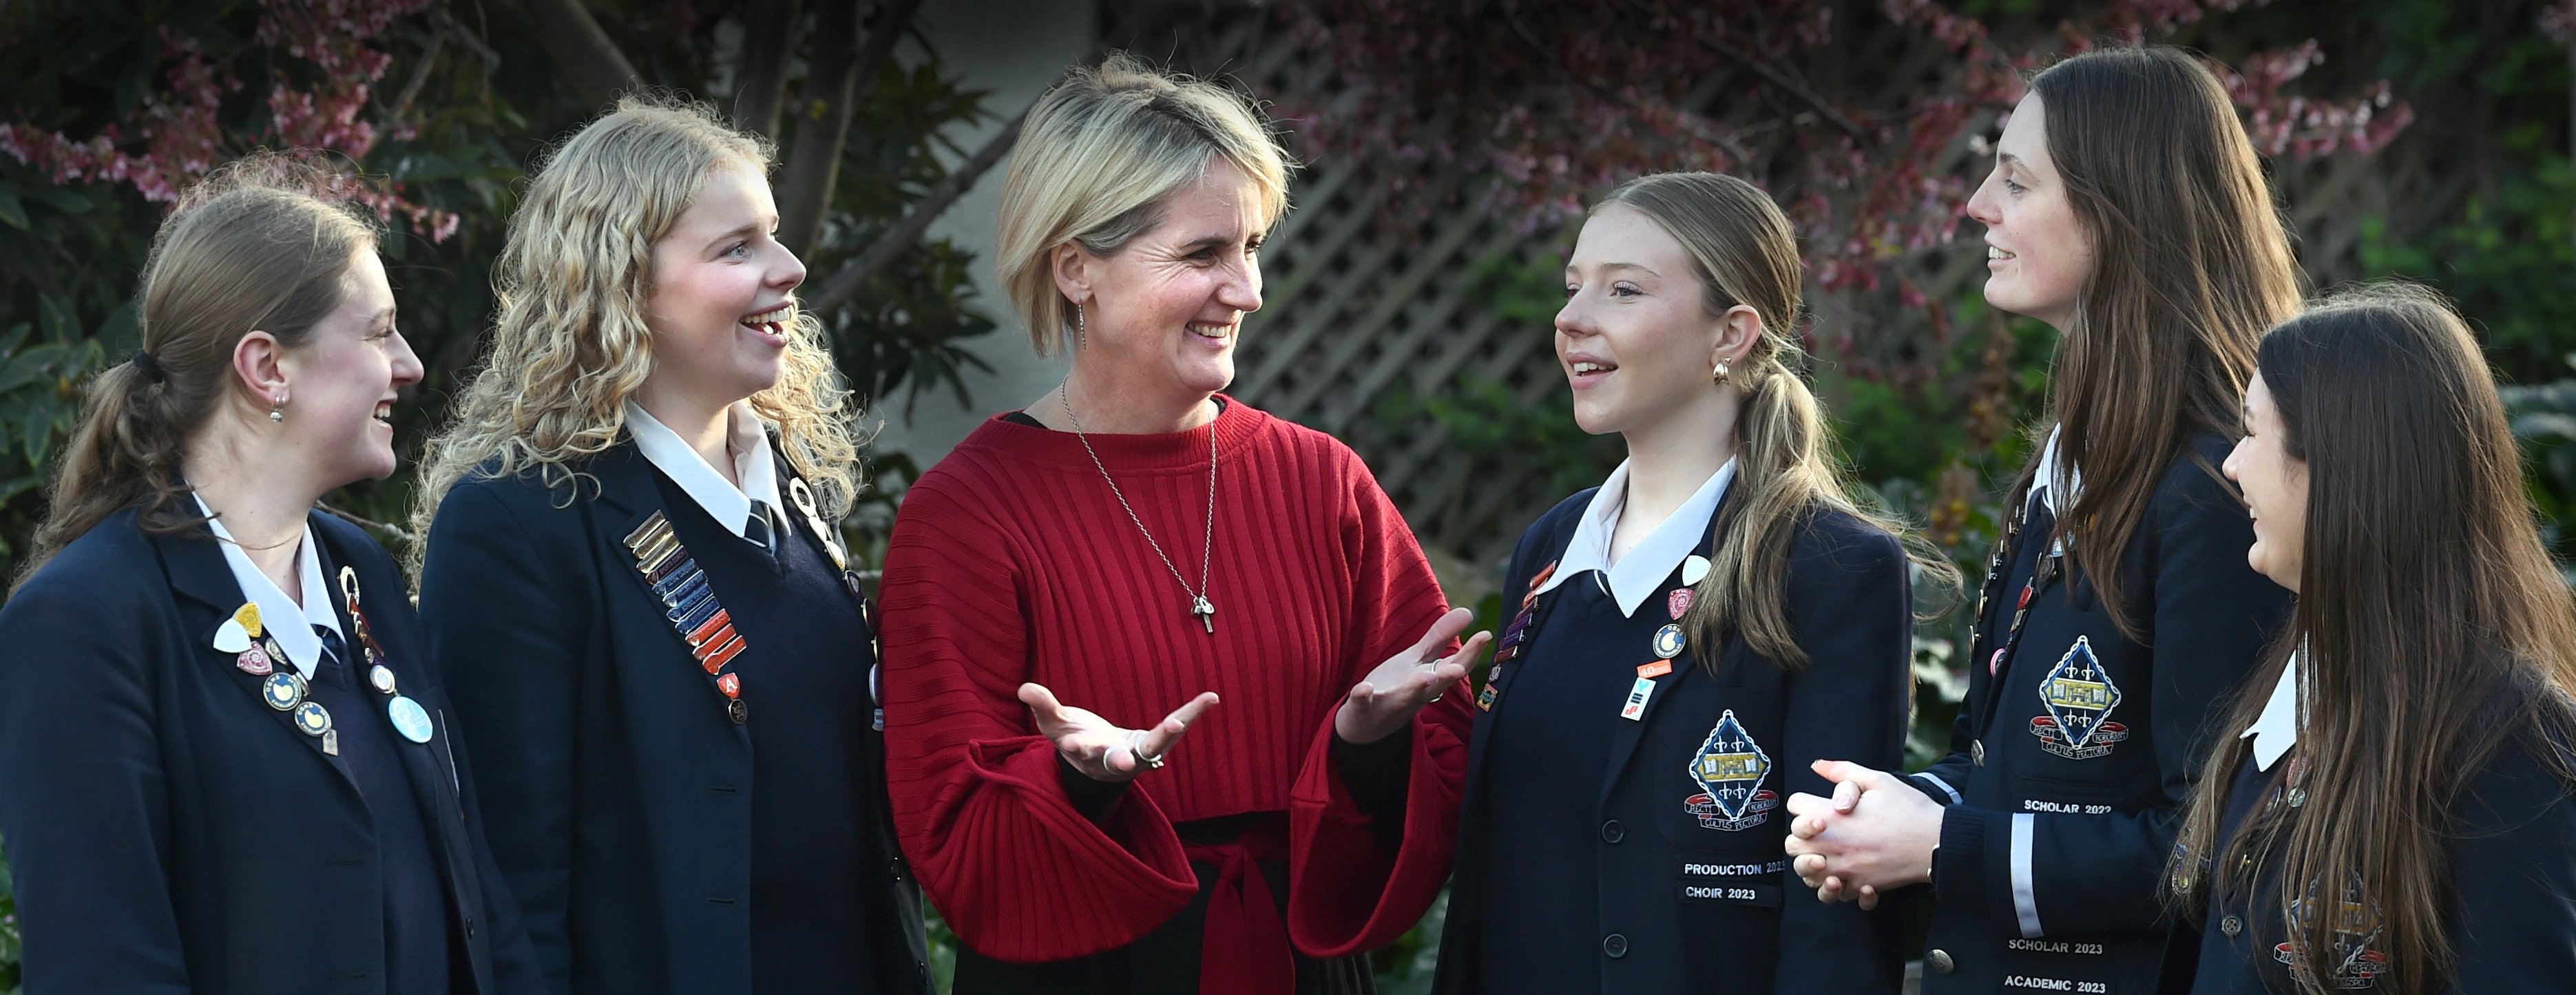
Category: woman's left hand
[1875,835]
[1385,701]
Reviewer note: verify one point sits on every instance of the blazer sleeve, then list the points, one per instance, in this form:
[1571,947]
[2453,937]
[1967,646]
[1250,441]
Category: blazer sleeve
[1346,892]
[1851,609]
[978,800]
[507,639]
[82,794]
[2211,615]
[2512,920]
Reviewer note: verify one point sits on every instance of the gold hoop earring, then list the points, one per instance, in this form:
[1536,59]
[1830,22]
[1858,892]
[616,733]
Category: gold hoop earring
[1718,376]
[276,402]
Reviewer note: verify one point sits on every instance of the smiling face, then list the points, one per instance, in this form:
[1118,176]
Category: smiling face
[1163,311]
[1635,339]
[344,380]
[2276,489]
[2037,254]
[720,307]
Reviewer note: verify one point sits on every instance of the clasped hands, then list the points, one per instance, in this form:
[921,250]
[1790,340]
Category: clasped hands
[1875,835]
[1380,705]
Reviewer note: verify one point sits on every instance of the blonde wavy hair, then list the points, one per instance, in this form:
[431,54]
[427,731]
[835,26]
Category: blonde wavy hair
[570,344]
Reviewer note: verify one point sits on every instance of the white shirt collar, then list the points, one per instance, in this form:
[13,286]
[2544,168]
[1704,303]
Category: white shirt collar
[2277,729]
[1636,576]
[730,506]
[277,612]
[2042,487]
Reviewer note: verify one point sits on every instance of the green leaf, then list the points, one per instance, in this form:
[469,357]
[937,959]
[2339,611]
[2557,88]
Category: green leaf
[29,366]
[12,212]
[40,432]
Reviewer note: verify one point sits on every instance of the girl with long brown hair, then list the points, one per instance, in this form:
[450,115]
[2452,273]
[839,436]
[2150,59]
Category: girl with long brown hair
[1690,635]
[2128,210]
[225,766]
[2396,811]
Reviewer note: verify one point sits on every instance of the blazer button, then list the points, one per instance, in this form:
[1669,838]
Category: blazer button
[1615,945]
[1612,831]
[1939,961]
[1977,751]
[469,927]
[2231,925]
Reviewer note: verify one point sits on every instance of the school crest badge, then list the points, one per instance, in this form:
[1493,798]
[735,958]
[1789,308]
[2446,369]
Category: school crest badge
[2355,963]
[2079,696]
[1729,769]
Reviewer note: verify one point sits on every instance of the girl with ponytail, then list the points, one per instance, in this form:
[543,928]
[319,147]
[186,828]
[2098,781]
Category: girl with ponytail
[227,767]
[2128,210]
[1689,637]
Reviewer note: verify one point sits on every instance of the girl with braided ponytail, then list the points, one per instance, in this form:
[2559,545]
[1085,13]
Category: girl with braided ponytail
[1690,635]
[227,767]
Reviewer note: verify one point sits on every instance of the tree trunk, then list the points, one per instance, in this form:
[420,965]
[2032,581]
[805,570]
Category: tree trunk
[587,59]
[768,43]
[822,124]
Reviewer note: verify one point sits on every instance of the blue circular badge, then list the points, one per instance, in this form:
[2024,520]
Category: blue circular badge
[313,718]
[1669,641]
[410,719]
[283,690]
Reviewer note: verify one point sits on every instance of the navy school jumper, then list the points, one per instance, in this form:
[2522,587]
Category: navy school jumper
[170,832]
[1599,856]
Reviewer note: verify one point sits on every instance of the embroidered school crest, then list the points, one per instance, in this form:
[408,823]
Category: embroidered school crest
[1730,768]
[2079,696]
[2354,963]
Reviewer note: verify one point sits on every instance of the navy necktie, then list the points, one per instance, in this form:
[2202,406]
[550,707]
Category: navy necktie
[334,665]
[757,527]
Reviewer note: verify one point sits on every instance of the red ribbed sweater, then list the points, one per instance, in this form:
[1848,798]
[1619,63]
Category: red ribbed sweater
[1012,562]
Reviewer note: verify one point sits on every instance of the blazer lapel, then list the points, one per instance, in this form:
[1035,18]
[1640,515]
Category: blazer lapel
[628,501]
[205,582]
[1623,744]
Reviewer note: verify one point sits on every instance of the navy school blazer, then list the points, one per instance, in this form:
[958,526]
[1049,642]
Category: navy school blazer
[168,831]
[2069,760]
[1673,892]
[624,816]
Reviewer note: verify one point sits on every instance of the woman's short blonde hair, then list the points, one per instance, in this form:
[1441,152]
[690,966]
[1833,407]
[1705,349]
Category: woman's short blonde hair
[1099,159]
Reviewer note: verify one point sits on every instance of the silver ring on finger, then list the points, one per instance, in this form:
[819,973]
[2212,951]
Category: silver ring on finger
[1136,748]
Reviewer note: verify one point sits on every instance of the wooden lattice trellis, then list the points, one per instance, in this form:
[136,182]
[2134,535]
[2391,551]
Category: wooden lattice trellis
[1375,283]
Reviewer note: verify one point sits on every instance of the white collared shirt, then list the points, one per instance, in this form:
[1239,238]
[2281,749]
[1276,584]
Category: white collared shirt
[730,506]
[278,613]
[2042,486]
[1635,577]
[2277,729]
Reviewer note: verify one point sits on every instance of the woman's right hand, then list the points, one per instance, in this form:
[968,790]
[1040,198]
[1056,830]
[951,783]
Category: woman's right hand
[1103,751]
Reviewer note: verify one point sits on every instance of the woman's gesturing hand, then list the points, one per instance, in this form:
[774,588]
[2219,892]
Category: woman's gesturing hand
[1101,750]
[1385,701]
[1875,835]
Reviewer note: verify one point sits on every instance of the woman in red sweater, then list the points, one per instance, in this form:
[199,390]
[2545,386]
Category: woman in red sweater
[1140,546]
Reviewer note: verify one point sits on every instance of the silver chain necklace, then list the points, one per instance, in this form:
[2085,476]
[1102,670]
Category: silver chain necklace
[1199,605]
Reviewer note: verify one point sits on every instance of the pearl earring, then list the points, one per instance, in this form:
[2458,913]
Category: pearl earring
[275,402]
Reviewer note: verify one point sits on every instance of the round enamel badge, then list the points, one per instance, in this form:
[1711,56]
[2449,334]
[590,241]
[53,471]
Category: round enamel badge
[313,718]
[1669,641]
[282,690]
